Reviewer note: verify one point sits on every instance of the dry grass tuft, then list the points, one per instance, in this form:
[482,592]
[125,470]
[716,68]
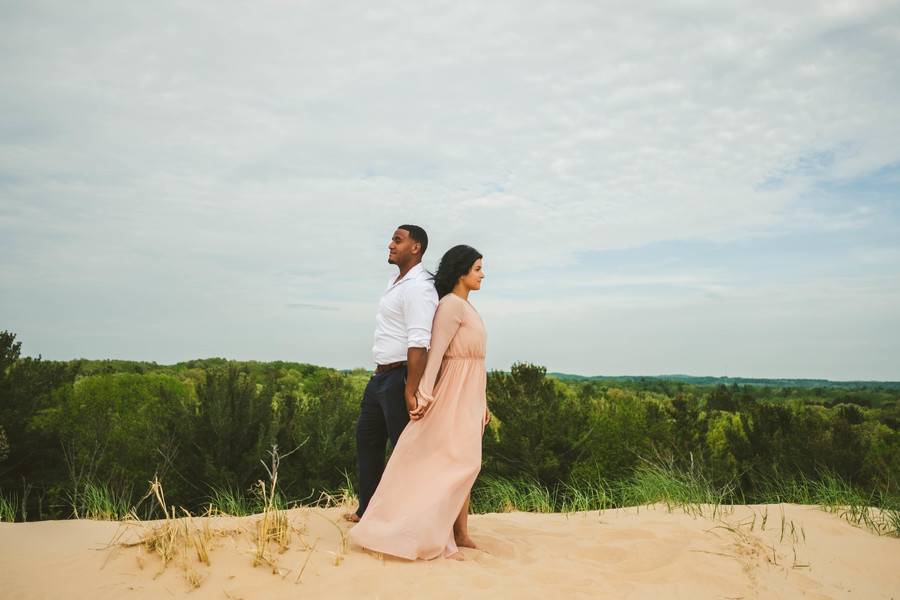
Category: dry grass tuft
[181,540]
[274,527]
[164,539]
[345,497]
[174,539]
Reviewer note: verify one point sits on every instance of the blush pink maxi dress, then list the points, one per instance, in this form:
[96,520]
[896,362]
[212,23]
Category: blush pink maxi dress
[438,457]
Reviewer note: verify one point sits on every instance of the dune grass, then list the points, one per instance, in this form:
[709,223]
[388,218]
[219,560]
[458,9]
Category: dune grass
[343,497]
[892,518]
[688,490]
[584,495]
[8,507]
[652,482]
[876,511]
[649,484]
[101,502]
[231,501]
[494,494]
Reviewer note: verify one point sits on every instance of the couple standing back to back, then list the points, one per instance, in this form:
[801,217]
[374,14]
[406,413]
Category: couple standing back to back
[428,396]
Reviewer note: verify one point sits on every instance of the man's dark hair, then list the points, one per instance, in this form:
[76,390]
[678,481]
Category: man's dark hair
[418,234]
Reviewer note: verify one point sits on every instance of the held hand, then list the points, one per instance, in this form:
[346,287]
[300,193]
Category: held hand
[487,417]
[412,406]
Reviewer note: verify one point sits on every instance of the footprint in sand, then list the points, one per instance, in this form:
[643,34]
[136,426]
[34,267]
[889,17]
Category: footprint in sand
[498,547]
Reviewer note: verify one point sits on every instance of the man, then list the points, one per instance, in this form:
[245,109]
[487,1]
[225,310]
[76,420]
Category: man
[402,338]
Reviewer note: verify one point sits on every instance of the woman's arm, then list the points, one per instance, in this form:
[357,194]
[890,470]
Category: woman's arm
[447,320]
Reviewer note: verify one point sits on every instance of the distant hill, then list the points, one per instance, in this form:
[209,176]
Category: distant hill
[702,380]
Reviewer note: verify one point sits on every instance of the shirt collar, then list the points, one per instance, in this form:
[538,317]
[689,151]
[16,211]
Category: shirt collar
[411,274]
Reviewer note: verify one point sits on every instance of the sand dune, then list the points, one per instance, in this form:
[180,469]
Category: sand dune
[648,552]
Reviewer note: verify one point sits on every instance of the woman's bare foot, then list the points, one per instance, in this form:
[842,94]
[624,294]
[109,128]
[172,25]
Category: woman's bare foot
[351,516]
[464,541]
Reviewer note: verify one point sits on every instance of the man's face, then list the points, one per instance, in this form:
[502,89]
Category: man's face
[402,248]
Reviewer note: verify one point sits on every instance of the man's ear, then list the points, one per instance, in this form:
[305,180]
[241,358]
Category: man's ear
[417,247]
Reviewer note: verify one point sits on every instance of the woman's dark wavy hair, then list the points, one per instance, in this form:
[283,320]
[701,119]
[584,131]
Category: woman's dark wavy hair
[455,263]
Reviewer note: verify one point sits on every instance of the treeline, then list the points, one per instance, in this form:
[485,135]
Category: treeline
[822,384]
[202,426]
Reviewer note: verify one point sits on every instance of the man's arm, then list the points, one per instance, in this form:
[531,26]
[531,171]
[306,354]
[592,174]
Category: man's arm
[420,303]
[415,366]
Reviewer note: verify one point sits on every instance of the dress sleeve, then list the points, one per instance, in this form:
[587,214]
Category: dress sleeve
[447,320]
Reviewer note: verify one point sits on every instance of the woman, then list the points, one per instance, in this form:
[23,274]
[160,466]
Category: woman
[421,505]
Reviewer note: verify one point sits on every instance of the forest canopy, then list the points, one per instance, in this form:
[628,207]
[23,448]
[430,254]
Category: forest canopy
[202,427]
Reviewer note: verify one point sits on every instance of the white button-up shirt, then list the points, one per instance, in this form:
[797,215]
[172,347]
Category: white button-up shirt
[404,316]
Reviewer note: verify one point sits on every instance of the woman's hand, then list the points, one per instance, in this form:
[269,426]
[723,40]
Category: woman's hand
[414,407]
[487,417]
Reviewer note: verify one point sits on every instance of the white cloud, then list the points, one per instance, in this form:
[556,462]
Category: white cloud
[237,156]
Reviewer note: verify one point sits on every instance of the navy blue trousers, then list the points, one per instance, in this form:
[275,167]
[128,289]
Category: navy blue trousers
[382,415]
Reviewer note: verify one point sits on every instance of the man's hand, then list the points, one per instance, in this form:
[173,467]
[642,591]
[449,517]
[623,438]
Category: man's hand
[415,366]
[412,406]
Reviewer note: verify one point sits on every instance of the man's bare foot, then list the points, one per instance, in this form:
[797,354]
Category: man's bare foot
[351,516]
[464,541]
[457,556]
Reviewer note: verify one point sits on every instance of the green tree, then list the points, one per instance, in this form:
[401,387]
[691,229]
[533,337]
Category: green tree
[319,415]
[727,444]
[26,385]
[234,426]
[120,428]
[624,426]
[542,426]
[4,445]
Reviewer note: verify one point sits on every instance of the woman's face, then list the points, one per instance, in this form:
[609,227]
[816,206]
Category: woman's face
[472,279]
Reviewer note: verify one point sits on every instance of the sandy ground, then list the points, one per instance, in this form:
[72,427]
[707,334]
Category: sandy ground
[647,552]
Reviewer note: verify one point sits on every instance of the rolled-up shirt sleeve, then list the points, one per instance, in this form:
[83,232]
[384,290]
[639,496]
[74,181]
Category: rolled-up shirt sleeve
[419,304]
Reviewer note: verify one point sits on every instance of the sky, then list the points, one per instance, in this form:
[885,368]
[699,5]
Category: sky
[707,188]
